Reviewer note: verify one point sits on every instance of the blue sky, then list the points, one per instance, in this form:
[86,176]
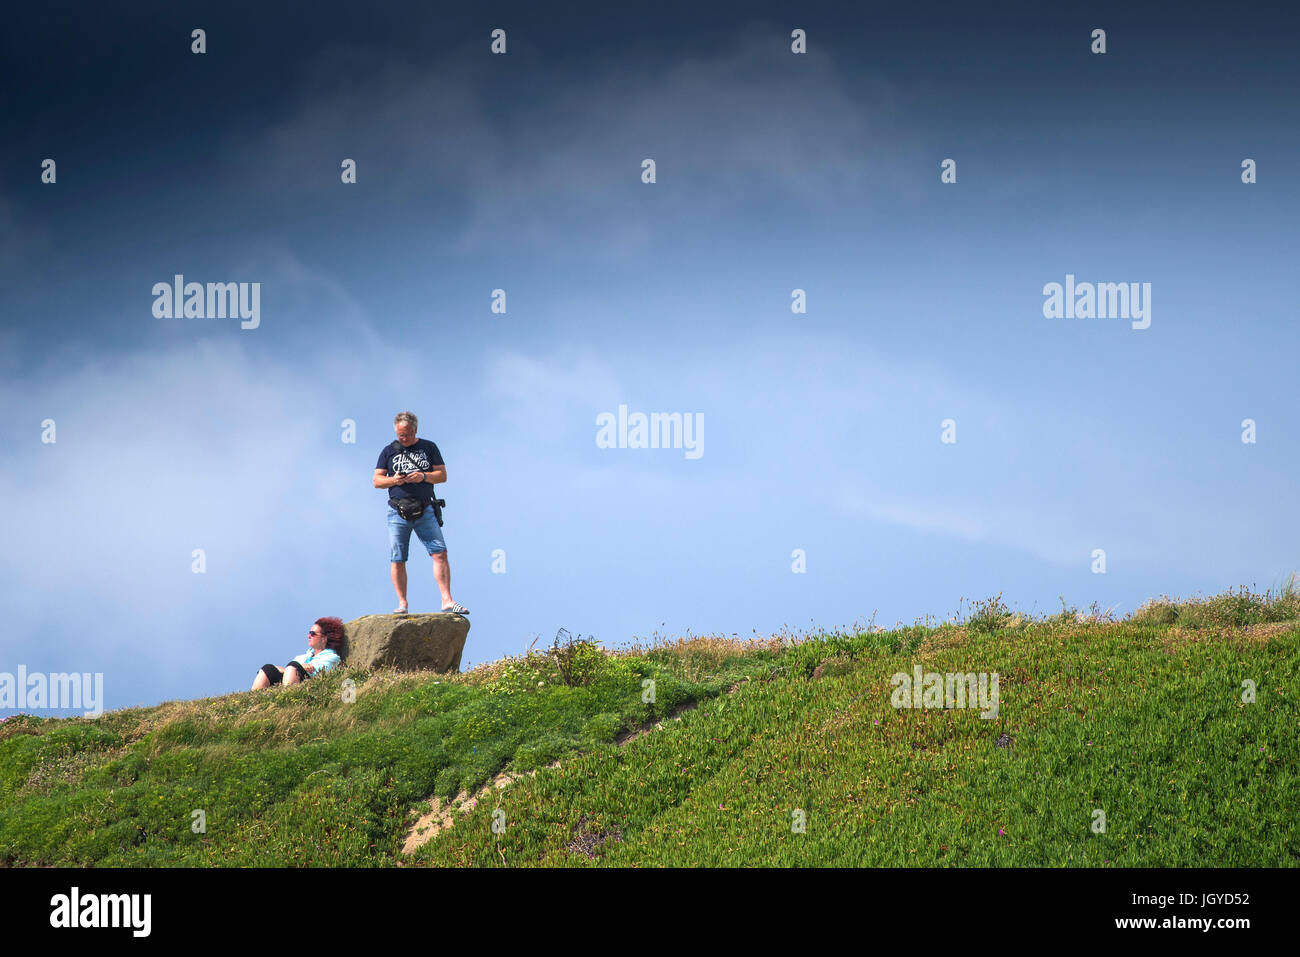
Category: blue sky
[775,172]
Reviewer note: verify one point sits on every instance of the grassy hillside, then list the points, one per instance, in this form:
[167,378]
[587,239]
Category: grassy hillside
[1141,719]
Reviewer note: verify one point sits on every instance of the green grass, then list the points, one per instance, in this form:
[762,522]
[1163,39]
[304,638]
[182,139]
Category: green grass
[1142,719]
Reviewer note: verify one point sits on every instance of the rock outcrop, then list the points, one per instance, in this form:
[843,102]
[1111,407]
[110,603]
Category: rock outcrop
[406,642]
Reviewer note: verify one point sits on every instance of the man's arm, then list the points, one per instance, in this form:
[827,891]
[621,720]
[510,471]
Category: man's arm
[436,474]
[384,480]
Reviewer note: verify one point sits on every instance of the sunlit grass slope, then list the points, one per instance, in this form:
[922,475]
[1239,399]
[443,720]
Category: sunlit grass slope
[1116,743]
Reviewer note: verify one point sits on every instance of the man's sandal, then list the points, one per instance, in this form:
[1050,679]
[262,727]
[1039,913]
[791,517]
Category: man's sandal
[456,608]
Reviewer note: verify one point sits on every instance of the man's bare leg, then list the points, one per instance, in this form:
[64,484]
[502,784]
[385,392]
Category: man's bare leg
[442,575]
[399,583]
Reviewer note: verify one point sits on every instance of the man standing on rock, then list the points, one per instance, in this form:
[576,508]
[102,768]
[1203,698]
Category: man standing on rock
[409,468]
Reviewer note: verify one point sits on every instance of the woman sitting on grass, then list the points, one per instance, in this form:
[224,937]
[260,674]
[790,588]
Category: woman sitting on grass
[323,644]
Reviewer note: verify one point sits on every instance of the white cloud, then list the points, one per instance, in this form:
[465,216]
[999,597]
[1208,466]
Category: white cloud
[208,445]
[834,425]
[545,397]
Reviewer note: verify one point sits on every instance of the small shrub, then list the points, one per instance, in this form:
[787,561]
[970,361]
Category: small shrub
[604,728]
[1068,614]
[1155,612]
[992,615]
[534,670]
[578,661]
[537,754]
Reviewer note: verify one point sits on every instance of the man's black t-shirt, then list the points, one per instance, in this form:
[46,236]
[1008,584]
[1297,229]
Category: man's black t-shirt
[420,456]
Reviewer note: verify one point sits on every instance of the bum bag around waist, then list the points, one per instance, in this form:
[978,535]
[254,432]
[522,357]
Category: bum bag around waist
[409,508]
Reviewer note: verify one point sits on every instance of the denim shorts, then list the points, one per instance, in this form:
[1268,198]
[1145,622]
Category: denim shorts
[399,534]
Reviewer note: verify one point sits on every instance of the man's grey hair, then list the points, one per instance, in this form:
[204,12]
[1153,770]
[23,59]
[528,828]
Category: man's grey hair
[407,417]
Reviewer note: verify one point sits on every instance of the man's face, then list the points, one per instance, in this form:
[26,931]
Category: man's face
[405,433]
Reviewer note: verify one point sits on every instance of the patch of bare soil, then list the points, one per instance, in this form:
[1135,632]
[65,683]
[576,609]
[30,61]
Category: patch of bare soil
[441,816]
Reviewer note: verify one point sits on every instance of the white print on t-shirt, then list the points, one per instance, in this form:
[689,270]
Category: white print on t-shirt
[410,460]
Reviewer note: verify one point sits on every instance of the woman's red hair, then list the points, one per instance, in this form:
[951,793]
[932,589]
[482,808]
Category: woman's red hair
[332,629]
